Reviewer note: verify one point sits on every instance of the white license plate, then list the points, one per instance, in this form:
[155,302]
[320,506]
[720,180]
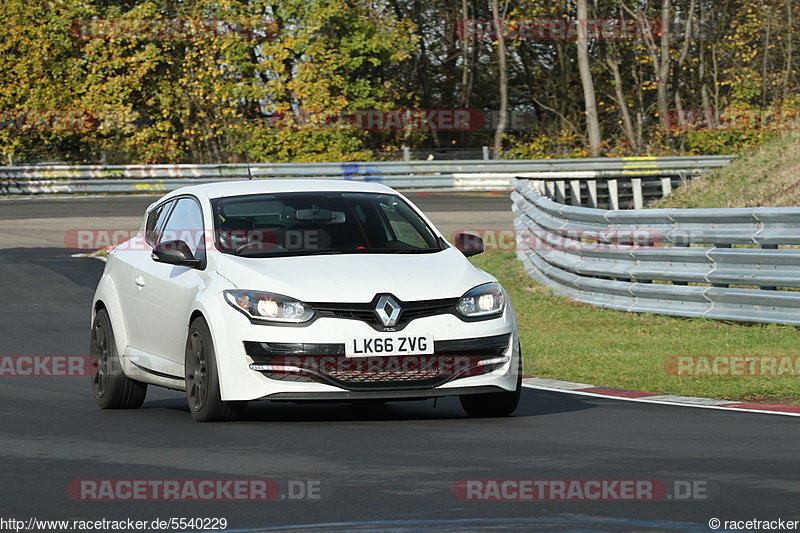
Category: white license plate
[390,345]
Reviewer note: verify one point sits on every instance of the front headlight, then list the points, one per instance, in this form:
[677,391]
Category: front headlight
[484,301]
[269,306]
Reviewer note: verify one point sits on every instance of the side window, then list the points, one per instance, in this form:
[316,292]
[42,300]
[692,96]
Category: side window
[186,224]
[401,227]
[156,220]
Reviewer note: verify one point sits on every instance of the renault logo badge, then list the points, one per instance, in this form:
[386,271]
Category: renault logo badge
[388,311]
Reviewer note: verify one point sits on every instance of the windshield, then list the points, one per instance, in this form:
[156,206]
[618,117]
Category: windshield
[290,224]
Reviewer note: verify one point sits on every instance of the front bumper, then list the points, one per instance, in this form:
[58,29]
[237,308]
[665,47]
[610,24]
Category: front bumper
[257,361]
[327,363]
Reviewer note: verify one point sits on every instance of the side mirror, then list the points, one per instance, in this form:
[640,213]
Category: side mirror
[174,253]
[469,244]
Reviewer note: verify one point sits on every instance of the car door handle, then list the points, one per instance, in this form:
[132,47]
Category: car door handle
[139,280]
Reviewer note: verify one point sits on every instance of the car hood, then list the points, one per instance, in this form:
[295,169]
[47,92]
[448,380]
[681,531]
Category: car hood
[356,278]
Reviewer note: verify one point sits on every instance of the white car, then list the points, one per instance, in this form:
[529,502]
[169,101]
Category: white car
[295,290]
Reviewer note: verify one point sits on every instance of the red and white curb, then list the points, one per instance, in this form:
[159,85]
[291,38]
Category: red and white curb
[583,389]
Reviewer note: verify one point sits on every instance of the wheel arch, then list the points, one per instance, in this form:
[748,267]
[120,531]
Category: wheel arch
[106,298]
[197,313]
[208,308]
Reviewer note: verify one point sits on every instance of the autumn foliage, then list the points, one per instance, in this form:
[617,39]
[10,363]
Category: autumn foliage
[201,81]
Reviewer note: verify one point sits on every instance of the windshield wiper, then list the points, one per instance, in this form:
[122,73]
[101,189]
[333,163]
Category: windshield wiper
[288,253]
[303,253]
[419,251]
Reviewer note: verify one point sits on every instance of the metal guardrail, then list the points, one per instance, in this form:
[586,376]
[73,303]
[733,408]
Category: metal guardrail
[464,175]
[640,180]
[724,264]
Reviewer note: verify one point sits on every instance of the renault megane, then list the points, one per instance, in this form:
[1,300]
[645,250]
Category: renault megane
[295,290]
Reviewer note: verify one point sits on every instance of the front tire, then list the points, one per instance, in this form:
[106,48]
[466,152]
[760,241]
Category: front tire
[494,404]
[111,388]
[202,380]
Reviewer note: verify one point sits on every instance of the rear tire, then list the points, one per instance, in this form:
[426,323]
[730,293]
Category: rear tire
[494,404]
[111,388]
[202,380]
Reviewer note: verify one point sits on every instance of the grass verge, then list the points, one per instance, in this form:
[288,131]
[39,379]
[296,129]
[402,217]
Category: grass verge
[576,342]
[763,177]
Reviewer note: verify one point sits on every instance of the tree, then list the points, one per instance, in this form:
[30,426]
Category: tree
[592,122]
[503,78]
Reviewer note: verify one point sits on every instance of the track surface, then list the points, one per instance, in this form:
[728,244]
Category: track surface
[396,462]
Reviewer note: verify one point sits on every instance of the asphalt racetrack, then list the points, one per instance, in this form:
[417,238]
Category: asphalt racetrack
[392,467]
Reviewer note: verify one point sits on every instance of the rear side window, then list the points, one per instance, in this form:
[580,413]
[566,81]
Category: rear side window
[155,220]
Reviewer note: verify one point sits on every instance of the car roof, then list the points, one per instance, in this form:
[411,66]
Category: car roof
[275,185]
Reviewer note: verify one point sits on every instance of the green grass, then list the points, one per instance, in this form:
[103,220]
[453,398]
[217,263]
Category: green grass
[576,342]
[766,176]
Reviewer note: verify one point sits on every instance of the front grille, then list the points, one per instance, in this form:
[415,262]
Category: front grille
[366,312]
[484,346]
[326,363]
[380,373]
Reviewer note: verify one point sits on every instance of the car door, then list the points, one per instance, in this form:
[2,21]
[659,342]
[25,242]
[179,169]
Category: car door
[124,264]
[165,293]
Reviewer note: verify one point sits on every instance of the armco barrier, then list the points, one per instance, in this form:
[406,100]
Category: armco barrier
[619,179]
[726,264]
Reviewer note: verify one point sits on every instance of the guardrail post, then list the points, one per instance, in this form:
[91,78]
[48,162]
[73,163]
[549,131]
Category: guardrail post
[485,153]
[575,191]
[591,186]
[638,199]
[666,186]
[613,194]
[769,247]
[406,154]
[561,191]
